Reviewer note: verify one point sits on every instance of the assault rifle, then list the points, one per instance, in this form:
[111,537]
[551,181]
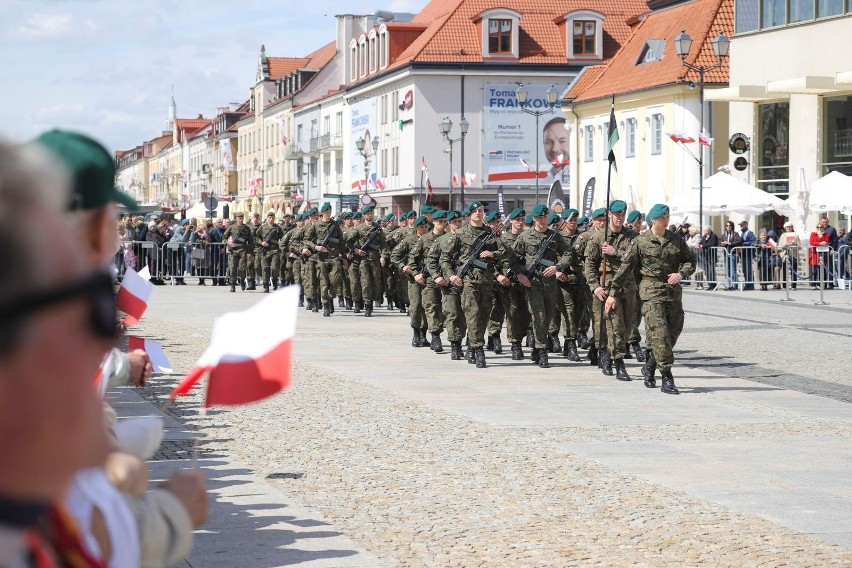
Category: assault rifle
[328,239]
[473,261]
[539,263]
[368,242]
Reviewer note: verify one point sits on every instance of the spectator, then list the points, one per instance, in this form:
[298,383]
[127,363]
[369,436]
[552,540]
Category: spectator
[731,240]
[766,261]
[746,251]
[788,246]
[707,246]
[693,241]
[177,256]
[818,260]
[200,241]
[844,244]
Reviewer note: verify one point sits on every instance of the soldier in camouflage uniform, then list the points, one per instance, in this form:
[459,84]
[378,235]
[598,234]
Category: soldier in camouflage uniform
[634,221]
[324,241]
[477,285]
[399,257]
[294,262]
[345,255]
[539,278]
[296,244]
[511,292]
[663,260]
[451,295]
[591,227]
[431,293]
[572,287]
[605,253]
[354,263]
[266,241]
[498,310]
[370,236]
[252,260]
[240,242]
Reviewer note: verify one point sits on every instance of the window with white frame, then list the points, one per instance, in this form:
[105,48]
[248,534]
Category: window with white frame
[353,61]
[338,167]
[384,164]
[326,170]
[362,58]
[383,108]
[395,105]
[384,45]
[656,133]
[584,34]
[589,143]
[630,134]
[605,140]
[374,52]
[500,31]
[338,123]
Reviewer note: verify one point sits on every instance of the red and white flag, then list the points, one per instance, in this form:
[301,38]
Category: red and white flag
[429,187]
[679,136]
[155,353]
[527,164]
[468,179]
[704,140]
[561,160]
[134,295]
[250,355]
[455,180]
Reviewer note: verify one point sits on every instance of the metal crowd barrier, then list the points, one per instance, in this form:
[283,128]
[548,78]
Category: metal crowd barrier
[194,260]
[137,255]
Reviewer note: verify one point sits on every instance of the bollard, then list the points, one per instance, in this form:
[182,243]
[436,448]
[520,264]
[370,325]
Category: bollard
[822,301]
[787,270]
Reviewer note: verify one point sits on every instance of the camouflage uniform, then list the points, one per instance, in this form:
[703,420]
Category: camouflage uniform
[662,306]
[451,295]
[354,275]
[241,239]
[269,255]
[574,291]
[253,262]
[621,318]
[514,297]
[301,273]
[371,269]
[584,319]
[431,293]
[325,263]
[399,258]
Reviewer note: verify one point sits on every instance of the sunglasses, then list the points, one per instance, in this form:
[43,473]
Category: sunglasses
[97,288]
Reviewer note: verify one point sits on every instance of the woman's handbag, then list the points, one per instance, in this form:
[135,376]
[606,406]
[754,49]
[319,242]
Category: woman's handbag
[197,253]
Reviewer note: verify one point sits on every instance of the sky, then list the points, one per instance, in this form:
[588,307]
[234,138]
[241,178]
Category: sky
[107,67]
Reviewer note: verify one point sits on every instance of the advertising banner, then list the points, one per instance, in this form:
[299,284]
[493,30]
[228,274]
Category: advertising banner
[510,137]
[364,125]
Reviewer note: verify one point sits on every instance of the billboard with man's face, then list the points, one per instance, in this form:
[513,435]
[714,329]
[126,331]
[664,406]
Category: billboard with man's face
[510,137]
[364,125]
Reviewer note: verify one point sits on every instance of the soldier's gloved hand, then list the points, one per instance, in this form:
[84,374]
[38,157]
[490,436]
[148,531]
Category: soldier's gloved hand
[600,294]
[610,304]
[503,281]
[675,278]
[525,282]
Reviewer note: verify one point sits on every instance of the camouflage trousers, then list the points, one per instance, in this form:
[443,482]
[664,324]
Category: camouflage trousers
[345,283]
[326,272]
[296,271]
[416,311]
[663,324]
[617,321]
[541,301]
[498,310]
[571,309]
[268,264]
[252,266]
[453,314]
[517,311]
[310,279]
[402,289]
[584,317]
[431,298]
[633,333]
[238,265]
[372,287]
[476,299]
[355,280]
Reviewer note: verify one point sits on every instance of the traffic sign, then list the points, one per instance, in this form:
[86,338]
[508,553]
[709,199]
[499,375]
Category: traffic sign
[211,203]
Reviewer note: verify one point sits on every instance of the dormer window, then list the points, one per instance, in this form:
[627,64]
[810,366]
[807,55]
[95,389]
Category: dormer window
[584,32]
[384,45]
[500,31]
[374,52]
[652,51]
[353,61]
[362,57]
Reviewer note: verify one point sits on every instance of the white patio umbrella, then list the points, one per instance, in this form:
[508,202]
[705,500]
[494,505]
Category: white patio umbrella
[725,194]
[832,192]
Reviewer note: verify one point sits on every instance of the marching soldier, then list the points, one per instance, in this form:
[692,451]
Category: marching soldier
[474,275]
[239,239]
[541,258]
[663,260]
[634,221]
[512,293]
[603,259]
[554,222]
[253,260]
[572,288]
[266,240]
[592,226]
[344,261]
[399,257]
[300,271]
[369,246]
[498,311]
[354,263]
[294,263]
[323,241]
[451,295]
[431,295]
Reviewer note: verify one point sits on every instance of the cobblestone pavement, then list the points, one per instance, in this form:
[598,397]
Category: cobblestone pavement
[418,484]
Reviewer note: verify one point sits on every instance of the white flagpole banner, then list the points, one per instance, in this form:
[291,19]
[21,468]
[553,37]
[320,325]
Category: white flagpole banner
[227,155]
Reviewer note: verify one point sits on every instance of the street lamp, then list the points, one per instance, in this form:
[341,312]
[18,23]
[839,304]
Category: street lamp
[446,126]
[523,95]
[683,43]
[256,165]
[361,145]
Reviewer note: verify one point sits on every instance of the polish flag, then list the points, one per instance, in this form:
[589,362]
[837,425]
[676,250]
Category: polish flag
[468,178]
[704,140]
[679,136]
[429,187]
[455,180]
[134,295]
[560,160]
[250,355]
[155,353]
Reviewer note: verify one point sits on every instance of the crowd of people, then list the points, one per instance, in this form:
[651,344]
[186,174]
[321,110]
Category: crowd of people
[74,488]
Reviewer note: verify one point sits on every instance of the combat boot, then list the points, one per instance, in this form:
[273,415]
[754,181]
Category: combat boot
[517,352]
[627,353]
[649,369]
[309,304]
[489,344]
[606,362]
[668,383]
[529,340]
[340,302]
[315,306]
[415,339]
[403,309]
[424,342]
[542,359]
[535,355]
[274,283]
[233,287]
[479,353]
[390,305]
[637,352]
[621,371]
[593,356]
[358,306]
[331,305]
[583,341]
[436,344]
[471,355]
[368,310]
[266,287]
[498,345]
[348,303]
[243,284]
[301,299]
[570,350]
[251,285]
[455,350]
[325,311]
[553,343]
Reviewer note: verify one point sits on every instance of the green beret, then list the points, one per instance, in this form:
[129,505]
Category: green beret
[427,209]
[439,214]
[599,212]
[570,213]
[465,212]
[658,210]
[312,211]
[528,219]
[368,208]
[91,167]
[582,221]
[539,210]
[357,215]
[475,204]
[633,216]
[618,206]
[553,218]
[421,221]
[492,216]
[347,215]
[325,207]
[519,212]
[298,216]
[389,217]
[453,215]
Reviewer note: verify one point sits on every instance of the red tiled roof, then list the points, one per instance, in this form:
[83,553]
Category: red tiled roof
[703,20]
[281,66]
[452,34]
[191,124]
[320,58]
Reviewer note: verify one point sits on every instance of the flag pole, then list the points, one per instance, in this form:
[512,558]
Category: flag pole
[613,138]
[420,193]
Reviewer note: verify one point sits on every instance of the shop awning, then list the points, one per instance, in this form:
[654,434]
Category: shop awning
[808,85]
[744,93]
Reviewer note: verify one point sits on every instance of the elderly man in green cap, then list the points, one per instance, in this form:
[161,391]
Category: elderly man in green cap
[369,246]
[605,253]
[663,260]
[541,258]
[431,293]
[450,295]
[510,291]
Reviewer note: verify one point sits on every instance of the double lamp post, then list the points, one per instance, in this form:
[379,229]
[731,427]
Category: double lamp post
[364,150]
[446,126]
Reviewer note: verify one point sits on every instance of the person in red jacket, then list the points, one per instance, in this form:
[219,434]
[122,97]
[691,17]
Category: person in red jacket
[819,238]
